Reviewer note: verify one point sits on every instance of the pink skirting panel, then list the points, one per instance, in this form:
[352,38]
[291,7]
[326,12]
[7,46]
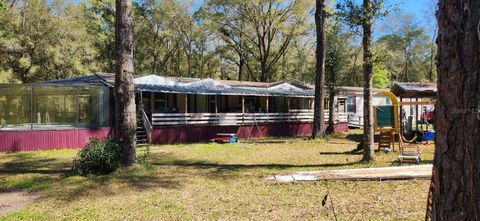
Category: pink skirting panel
[30,140]
[186,134]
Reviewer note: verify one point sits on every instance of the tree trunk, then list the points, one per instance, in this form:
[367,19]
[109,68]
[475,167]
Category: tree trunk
[241,63]
[318,117]
[367,87]
[125,125]
[456,177]
[432,56]
[331,109]
[264,72]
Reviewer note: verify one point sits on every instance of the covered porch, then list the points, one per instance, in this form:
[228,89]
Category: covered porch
[170,109]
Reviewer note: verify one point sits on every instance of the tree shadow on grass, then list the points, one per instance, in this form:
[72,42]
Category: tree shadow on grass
[359,137]
[352,152]
[37,166]
[355,137]
[25,171]
[119,182]
[215,170]
[166,171]
[220,166]
[28,163]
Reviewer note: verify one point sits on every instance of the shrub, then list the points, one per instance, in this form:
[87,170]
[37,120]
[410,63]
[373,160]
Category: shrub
[98,157]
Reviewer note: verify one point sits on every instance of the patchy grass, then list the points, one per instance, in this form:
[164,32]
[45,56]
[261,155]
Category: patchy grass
[214,181]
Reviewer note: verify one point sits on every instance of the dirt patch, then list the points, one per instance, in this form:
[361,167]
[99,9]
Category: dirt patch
[11,201]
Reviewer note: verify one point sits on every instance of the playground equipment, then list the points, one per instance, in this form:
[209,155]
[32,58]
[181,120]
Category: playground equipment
[396,128]
[410,153]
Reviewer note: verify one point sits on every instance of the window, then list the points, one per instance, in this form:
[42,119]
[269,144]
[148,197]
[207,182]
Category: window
[341,105]
[387,101]
[53,106]
[351,104]
[15,106]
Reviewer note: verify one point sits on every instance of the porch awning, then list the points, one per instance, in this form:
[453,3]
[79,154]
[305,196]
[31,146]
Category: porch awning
[415,89]
[223,91]
[153,83]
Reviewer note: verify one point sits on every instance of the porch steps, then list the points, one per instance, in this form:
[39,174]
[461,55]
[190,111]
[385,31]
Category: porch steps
[141,133]
[141,136]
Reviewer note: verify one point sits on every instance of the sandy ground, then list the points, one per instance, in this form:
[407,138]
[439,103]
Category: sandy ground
[11,201]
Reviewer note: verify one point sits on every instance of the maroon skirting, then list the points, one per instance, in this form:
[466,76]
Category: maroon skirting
[30,140]
[181,134]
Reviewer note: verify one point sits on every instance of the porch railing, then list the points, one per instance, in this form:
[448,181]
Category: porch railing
[231,119]
[355,120]
[147,125]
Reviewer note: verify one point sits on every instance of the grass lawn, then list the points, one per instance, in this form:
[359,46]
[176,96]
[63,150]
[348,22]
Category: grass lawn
[214,182]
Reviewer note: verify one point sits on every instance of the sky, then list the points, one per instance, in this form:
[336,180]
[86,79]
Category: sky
[423,10]
[419,8]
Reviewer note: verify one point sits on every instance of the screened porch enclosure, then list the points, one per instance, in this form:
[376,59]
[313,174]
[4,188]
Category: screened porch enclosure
[53,107]
[166,109]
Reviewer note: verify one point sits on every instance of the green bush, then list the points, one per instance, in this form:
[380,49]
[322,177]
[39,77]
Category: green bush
[98,157]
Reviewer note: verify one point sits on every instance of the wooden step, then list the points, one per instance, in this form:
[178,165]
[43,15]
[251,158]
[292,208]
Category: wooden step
[143,141]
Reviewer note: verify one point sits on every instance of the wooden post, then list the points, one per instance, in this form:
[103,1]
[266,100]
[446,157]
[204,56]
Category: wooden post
[243,109]
[186,103]
[338,105]
[416,113]
[266,104]
[288,105]
[31,107]
[216,104]
[77,107]
[141,100]
[165,101]
[243,104]
[152,102]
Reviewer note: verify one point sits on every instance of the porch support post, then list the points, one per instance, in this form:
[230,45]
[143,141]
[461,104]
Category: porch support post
[31,107]
[216,104]
[401,117]
[152,102]
[266,104]
[141,102]
[77,108]
[267,111]
[243,109]
[416,114]
[166,101]
[288,105]
[243,104]
[186,103]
